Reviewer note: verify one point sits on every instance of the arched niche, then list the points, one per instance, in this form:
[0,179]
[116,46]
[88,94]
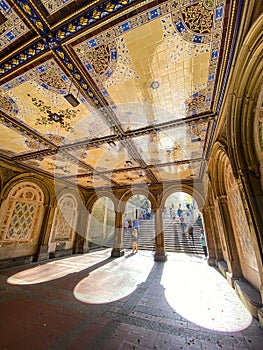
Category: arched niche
[64,223]
[21,218]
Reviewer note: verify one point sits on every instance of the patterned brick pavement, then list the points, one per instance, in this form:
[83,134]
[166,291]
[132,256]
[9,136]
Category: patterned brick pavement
[95,302]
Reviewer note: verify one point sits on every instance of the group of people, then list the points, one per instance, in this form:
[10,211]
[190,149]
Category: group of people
[133,228]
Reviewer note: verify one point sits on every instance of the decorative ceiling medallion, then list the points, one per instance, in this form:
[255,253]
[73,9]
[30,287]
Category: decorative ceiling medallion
[198,18]
[196,104]
[155,84]
[51,118]
[52,79]
[100,59]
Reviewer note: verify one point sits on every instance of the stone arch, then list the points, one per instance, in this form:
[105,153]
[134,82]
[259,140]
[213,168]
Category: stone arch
[245,92]
[22,212]
[195,191]
[45,186]
[247,82]
[99,194]
[216,169]
[131,192]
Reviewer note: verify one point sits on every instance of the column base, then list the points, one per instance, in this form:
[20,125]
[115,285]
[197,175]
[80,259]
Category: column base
[42,254]
[117,253]
[231,279]
[211,261]
[161,257]
[251,297]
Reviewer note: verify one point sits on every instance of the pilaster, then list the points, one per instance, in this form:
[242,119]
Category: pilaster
[233,263]
[160,254]
[117,250]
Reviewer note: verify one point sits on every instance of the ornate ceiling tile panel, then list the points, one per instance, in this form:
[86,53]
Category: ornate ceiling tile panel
[173,145]
[58,165]
[91,181]
[132,177]
[53,6]
[178,62]
[106,157]
[36,98]
[14,142]
[147,74]
[186,171]
[13,28]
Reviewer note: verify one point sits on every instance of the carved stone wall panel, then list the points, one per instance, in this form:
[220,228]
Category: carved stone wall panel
[241,229]
[64,224]
[21,218]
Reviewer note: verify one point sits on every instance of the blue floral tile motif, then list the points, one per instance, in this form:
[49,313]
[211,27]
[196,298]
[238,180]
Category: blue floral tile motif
[92,43]
[214,54]
[8,86]
[4,5]
[125,26]
[10,35]
[198,39]
[88,66]
[21,79]
[114,55]
[45,86]
[211,77]
[219,12]
[153,14]
[180,27]
[41,69]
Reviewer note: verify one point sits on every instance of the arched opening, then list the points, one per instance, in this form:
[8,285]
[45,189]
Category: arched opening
[182,223]
[64,224]
[139,216]
[102,223]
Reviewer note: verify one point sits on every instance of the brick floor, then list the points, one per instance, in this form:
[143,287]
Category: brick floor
[95,302]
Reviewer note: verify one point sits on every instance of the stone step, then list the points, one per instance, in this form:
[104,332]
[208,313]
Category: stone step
[175,239]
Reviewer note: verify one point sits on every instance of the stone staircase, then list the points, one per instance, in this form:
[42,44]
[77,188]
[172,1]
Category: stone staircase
[176,240]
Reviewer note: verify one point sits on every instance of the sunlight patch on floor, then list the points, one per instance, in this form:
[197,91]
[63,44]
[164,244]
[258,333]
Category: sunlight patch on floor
[202,295]
[115,280]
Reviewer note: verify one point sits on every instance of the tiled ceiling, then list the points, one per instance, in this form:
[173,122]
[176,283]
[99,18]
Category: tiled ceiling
[148,76]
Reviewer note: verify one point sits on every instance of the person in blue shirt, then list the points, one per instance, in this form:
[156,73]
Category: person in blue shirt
[203,242]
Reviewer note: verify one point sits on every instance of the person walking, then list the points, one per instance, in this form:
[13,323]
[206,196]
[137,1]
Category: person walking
[203,242]
[191,233]
[134,240]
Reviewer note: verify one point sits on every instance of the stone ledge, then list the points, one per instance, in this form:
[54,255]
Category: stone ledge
[249,295]
[60,253]
[222,266]
[16,261]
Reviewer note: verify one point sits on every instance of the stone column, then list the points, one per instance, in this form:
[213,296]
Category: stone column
[212,236]
[233,263]
[209,237]
[160,254]
[117,250]
[81,244]
[42,249]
